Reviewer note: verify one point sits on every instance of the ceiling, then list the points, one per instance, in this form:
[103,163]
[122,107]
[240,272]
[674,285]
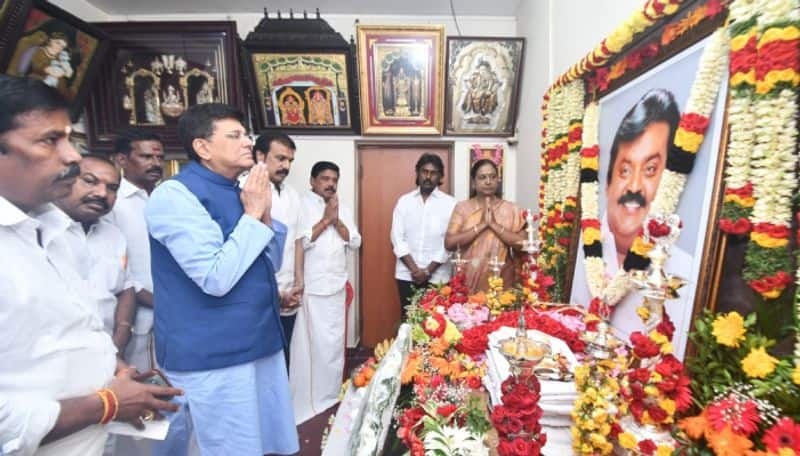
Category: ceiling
[367,7]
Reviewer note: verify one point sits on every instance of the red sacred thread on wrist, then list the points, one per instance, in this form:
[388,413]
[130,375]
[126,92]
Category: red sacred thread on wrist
[110,405]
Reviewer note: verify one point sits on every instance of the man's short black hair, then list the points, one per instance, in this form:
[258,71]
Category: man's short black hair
[19,96]
[657,105]
[100,158]
[198,122]
[123,142]
[433,159]
[264,142]
[321,166]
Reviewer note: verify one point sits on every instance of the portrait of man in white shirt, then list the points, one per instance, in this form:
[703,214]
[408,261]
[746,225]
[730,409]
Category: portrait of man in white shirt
[419,225]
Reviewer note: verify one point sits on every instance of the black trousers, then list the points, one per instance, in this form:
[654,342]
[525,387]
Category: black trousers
[404,288]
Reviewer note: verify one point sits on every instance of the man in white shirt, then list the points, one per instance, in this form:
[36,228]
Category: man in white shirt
[140,154]
[57,374]
[419,224]
[276,150]
[99,247]
[318,345]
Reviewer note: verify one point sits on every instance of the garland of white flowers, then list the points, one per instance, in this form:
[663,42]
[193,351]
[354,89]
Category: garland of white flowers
[688,139]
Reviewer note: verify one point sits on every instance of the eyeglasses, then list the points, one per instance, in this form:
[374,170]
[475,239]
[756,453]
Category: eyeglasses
[238,136]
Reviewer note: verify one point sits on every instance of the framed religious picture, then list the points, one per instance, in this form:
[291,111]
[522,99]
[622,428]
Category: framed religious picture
[493,152]
[401,76]
[301,75]
[12,19]
[303,92]
[483,85]
[53,46]
[157,70]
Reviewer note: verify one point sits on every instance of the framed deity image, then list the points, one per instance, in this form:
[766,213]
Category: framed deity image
[483,85]
[157,70]
[54,47]
[401,76]
[303,91]
[12,19]
[630,171]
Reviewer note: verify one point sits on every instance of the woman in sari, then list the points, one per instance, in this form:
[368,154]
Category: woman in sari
[484,227]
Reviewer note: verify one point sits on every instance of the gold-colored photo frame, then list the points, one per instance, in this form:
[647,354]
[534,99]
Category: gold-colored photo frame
[401,77]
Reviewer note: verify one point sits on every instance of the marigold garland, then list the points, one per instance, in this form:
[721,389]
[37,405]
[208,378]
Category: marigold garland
[774,158]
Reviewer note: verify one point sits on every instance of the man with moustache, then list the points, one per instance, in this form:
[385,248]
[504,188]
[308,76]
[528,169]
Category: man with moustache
[637,160]
[215,249]
[419,225]
[329,232]
[99,247]
[276,150]
[57,382]
[140,155]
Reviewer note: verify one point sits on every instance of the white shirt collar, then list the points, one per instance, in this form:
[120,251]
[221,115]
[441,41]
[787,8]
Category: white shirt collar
[10,214]
[316,197]
[435,193]
[128,189]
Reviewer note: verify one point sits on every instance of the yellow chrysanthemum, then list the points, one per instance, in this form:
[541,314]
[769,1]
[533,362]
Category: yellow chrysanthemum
[796,375]
[758,363]
[451,333]
[627,440]
[664,450]
[643,313]
[767,241]
[729,329]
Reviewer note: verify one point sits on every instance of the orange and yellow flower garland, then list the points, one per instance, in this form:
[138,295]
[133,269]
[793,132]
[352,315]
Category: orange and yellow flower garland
[738,200]
[774,159]
[623,35]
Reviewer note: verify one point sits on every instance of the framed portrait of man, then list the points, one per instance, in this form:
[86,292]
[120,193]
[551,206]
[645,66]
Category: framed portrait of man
[155,71]
[54,47]
[401,76]
[637,124]
[483,84]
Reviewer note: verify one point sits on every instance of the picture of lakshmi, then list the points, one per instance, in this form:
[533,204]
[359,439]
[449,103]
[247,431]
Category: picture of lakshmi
[48,53]
[319,107]
[291,107]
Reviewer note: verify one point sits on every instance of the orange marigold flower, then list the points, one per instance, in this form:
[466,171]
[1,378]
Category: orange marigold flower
[446,290]
[439,346]
[478,298]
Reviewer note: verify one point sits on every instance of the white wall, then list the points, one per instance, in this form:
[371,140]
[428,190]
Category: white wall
[558,33]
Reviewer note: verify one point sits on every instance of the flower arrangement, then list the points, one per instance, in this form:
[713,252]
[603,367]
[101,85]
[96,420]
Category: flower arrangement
[738,200]
[747,396]
[497,299]
[562,139]
[517,418]
[655,388]
[620,37]
[774,158]
[596,409]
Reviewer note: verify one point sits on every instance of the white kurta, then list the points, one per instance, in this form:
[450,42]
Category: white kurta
[418,229]
[318,341]
[128,216]
[52,342]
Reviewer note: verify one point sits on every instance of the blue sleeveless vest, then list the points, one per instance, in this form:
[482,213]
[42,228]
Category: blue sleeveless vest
[196,331]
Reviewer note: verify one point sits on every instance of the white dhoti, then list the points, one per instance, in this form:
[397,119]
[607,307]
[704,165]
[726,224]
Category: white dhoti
[318,354]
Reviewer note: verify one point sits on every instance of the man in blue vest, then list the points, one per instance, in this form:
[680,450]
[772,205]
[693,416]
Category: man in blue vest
[214,252]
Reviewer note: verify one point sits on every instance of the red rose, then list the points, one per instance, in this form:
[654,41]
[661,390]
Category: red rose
[564,241]
[505,448]
[666,327]
[643,347]
[514,425]
[590,223]
[693,122]
[641,375]
[647,447]
[520,447]
[657,229]
[615,430]
[446,410]
[657,413]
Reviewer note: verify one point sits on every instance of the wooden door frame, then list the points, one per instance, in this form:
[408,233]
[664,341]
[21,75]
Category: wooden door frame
[398,143]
